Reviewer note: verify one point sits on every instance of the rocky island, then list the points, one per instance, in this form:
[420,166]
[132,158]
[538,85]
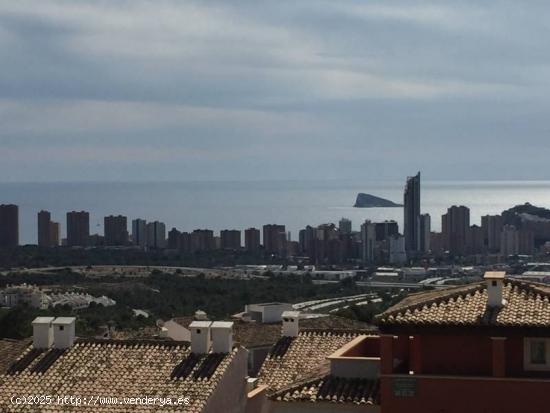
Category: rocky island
[371,201]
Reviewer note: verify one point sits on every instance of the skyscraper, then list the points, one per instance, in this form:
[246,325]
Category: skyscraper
[139,232]
[44,229]
[492,227]
[455,225]
[345,226]
[54,234]
[368,238]
[9,226]
[115,230]
[156,235]
[274,239]
[386,229]
[425,230]
[411,207]
[78,228]
[230,239]
[252,239]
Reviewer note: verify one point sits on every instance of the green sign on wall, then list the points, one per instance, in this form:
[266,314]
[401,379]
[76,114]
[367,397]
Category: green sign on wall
[404,387]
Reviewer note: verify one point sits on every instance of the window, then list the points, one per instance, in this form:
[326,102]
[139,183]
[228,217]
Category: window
[536,356]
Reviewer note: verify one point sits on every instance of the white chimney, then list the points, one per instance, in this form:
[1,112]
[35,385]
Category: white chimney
[63,332]
[291,326]
[42,332]
[200,336]
[495,285]
[222,336]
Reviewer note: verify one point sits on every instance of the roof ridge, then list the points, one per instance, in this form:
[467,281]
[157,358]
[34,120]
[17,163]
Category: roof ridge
[339,331]
[433,297]
[132,342]
[307,381]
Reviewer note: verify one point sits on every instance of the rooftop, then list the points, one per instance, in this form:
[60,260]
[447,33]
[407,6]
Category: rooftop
[327,388]
[527,305]
[10,350]
[251,335]
[116,369]
[295,359]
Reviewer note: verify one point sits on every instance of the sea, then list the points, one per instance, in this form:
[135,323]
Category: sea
[242,204]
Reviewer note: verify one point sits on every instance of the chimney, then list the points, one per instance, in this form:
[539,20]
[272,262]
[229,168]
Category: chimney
[290,323]
[63,332]
[42,332]
[495,285]
[222,336]
[200,336]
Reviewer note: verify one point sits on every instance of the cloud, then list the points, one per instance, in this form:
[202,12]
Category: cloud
[272,89]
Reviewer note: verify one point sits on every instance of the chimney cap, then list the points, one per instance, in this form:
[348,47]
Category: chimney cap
[43,320]
[222,324]
[64,320]
[200,324]
[495,275]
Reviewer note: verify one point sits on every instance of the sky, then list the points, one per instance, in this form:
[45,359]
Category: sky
[250,90]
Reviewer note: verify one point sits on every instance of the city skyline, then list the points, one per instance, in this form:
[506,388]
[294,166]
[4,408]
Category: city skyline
[375,242]
[194,91]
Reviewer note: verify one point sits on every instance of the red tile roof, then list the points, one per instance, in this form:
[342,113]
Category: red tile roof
[526,305]
[109,368]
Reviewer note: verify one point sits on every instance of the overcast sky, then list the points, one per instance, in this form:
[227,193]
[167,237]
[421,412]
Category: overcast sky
[194,90]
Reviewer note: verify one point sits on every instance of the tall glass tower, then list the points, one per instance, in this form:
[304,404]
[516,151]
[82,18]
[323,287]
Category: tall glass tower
[412,213]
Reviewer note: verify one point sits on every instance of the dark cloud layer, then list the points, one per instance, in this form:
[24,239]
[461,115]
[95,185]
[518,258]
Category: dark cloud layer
[171,90]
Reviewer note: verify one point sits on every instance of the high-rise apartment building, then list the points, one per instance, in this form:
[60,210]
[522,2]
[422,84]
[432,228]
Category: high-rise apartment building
[115,230]
[425,229]
[385,230]
[174,239]
[78,228]
[139,232]
[475,240]
[54,234]
[274,239]
[345,226]
[455,226]
[9,226]
[509,240]
[156,235]
[44,229]
[368,239]
[230,239]
[411,208]
[492,228]
[252,239]
[202,240]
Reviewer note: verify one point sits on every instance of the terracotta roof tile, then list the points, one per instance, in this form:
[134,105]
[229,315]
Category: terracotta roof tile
[305,356]
[526,305]
[327,388]
[251,335]
[116,369]
[10,350]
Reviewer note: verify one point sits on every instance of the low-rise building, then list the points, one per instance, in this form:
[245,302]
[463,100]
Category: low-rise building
[207,376]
